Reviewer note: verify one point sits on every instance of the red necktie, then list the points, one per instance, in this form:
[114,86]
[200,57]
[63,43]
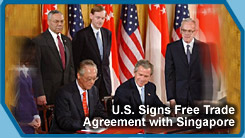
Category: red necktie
[62,52]
[85,106]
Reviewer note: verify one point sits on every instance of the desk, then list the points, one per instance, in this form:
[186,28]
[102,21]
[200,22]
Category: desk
[168,128]
[185,130]
[162,130]
[123,130]
[117,130]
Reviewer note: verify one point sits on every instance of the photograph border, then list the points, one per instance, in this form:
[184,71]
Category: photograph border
[2,63]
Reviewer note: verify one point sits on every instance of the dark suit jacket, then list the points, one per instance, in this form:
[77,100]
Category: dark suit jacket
[128,94]
[50,73]
[186,83]
[69,115]
[85,47]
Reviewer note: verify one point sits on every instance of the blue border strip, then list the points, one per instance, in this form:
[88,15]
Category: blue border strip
[116,2]
[2,56]
[2,65]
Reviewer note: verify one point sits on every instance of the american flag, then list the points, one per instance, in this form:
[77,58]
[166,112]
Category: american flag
[46,8]
[181,13]
[129,42]
[75,19]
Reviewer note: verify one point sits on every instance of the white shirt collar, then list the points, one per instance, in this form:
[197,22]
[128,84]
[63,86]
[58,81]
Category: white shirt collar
[80,88]
[139,88]
[54,35]
[95,31]
[191,44]
[23,69]
[81,92]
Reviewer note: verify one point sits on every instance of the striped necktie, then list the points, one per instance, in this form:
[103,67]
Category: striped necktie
[85,106]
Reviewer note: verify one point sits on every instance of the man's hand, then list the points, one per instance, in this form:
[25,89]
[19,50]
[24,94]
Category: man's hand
[38,122]
[175,115]
[172,103]
[35,123]
[41,100]
[172,106]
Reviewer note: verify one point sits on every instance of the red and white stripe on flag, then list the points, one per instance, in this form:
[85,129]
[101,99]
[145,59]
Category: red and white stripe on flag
[46,8]
[157,38]
[114,65]
[129,42]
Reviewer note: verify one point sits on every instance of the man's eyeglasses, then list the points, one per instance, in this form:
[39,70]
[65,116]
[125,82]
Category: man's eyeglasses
[187,31]
[90,79]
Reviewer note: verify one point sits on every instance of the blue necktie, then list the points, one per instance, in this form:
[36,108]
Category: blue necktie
[188,54]
[100,45]
[142,95]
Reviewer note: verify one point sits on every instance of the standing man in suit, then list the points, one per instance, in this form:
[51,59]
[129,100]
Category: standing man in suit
[137,91]
[78,100]
[94,42]
[188,69]
[54,60]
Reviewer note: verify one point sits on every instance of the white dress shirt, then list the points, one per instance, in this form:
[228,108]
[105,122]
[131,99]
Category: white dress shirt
[54,35]
[81,92]
[139,88]
[190,44]
[95,32]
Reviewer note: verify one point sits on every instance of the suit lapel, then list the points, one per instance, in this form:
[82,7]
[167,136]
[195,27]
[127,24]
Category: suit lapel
[94,42]
[104,37]
[181,52]
[77,100]
[135,92]
[53,47]
[147,95]
[67,52]
[195,52]
[90,103]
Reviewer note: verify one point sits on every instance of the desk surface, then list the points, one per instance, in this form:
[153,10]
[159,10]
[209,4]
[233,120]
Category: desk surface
[185,130]
[162,130]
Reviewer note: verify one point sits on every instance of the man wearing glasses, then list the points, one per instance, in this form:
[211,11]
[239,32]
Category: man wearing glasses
[188,73]
[78,100]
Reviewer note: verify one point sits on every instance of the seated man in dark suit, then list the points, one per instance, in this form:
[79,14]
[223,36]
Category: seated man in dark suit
[78,100]
[137,91]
